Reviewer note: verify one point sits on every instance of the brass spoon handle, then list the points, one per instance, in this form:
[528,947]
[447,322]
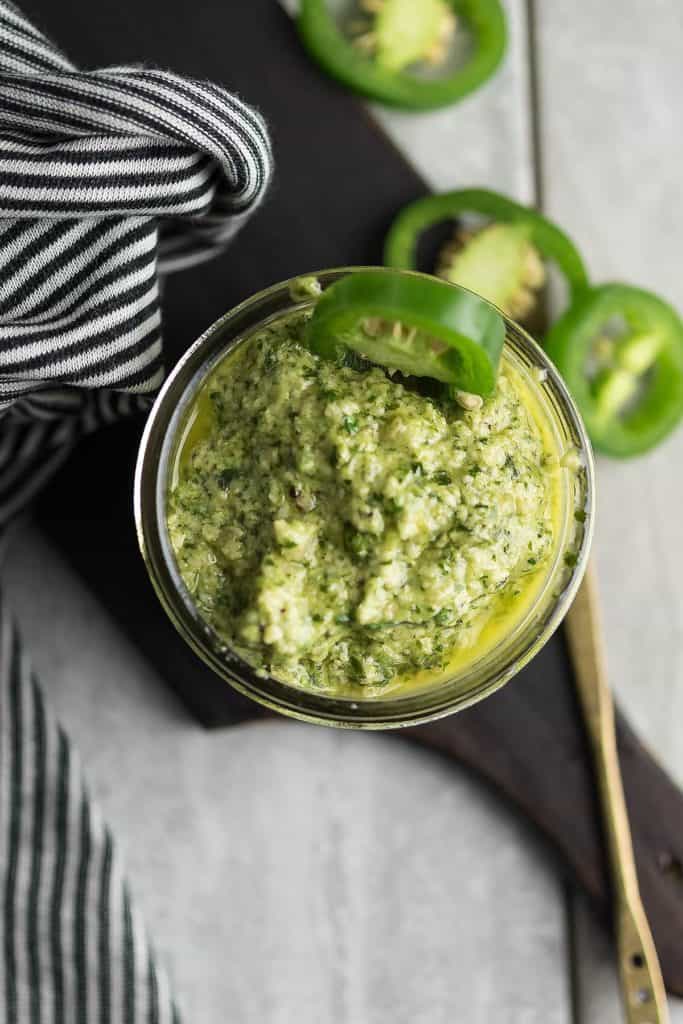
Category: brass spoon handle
[641,977]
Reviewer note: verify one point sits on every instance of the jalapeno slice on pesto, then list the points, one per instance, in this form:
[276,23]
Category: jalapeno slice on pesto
[412,323]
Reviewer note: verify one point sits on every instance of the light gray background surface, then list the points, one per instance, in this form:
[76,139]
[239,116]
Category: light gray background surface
[294,874]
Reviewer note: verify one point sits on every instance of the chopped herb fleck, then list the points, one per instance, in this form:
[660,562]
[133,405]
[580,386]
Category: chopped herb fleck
[442,477]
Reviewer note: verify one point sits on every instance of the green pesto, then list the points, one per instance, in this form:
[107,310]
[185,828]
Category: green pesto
[340,529]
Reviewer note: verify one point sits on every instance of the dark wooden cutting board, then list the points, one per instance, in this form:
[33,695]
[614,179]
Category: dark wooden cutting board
[339,182]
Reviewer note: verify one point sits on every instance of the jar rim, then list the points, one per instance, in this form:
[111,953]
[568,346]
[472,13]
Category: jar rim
[470,684]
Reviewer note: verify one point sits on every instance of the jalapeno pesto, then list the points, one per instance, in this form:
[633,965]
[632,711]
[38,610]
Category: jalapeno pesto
[341,530]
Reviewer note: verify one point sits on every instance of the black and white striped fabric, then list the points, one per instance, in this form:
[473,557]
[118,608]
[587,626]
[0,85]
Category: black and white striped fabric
[74,950]
[107,179]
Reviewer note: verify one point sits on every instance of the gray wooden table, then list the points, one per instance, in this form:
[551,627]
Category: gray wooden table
[297,874]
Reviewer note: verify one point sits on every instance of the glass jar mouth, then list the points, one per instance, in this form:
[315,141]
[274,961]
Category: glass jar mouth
[485,675]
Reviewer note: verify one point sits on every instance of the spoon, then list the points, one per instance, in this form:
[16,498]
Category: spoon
[642,987]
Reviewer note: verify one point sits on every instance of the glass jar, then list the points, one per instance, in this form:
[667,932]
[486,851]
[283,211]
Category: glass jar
[470,683]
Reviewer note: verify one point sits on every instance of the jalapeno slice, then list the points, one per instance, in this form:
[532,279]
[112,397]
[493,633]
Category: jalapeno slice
[413,323]
[398,35]
[620,351]
[503,262]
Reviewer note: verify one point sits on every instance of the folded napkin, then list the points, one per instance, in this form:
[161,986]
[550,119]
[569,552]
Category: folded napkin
[73,945]
[108,179]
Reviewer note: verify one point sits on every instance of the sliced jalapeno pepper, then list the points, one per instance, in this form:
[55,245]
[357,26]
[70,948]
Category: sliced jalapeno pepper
[620,351]
[397,35]
[503,262]
[413,323]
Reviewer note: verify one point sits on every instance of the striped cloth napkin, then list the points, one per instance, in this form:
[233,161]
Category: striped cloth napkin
[108,179]
[74,950]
